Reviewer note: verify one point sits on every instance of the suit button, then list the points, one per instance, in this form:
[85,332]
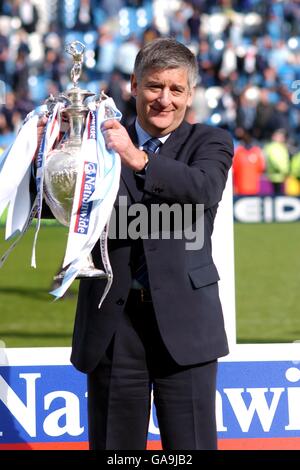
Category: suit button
[120,301]
[152,248]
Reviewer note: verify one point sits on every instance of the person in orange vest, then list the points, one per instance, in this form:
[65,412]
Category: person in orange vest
[248,166]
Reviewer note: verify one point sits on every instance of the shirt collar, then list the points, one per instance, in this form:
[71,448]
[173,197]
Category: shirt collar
[143,136]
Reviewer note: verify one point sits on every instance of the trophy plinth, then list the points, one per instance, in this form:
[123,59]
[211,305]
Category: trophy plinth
[62,163]
[86,272]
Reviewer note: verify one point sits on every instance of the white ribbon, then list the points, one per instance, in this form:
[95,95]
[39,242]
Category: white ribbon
[14,176]
[50,134]
[15,171]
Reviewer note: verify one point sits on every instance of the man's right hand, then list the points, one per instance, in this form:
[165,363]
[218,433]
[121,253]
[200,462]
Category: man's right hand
[117,138]
[40,129]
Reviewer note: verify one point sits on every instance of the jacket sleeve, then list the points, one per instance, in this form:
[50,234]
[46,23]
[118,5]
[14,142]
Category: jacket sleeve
[199,179]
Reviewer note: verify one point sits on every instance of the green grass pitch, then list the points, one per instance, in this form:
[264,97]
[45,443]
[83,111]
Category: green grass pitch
[267,264]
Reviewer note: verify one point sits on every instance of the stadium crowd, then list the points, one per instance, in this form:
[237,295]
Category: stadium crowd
[248,53]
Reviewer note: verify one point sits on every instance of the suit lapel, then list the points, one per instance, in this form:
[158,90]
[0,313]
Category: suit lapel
[171,148]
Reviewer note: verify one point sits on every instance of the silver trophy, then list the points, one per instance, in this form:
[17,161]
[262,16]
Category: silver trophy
[61,166]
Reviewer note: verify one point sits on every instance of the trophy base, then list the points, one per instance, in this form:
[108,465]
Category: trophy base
[84,273]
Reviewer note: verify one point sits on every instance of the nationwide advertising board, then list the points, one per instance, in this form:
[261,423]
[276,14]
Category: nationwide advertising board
[43,400]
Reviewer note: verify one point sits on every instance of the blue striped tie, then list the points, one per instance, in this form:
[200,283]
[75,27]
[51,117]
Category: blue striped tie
[152,145]
[141,272]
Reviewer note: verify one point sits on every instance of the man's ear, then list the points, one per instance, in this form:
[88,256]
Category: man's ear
[133,83]
[191,97]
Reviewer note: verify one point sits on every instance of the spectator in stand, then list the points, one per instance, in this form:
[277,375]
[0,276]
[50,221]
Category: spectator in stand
[85,17]
[246,112]
[112,8]
[52,38]
[125,56]
[150,33]
[105,53]
[229,61]
[277,158]
[28,14]
[134,3]
[248,166]
[178,25]
[6,135]
[292,17]
[53,67]
[264,123]
[281,118]
[24,103]
[193,24]
[4,55]
[119,90]
[12,115]
[20,75]
[206,65]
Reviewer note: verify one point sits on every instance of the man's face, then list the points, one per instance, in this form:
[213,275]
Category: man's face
[162,97]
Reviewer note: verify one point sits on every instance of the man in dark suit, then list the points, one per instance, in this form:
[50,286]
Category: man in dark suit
[161,325]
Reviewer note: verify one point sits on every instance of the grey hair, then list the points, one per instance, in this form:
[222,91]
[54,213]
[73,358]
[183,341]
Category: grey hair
[166,53]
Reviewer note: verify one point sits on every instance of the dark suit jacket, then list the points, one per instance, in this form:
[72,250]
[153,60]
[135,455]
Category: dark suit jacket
[191,168]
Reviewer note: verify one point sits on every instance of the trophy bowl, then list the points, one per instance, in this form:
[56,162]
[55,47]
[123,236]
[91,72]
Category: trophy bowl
[59,183]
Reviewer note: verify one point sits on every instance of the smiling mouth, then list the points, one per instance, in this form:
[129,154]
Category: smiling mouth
[162,111]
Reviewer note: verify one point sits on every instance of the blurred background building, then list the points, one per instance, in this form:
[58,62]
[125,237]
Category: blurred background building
[248,53]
